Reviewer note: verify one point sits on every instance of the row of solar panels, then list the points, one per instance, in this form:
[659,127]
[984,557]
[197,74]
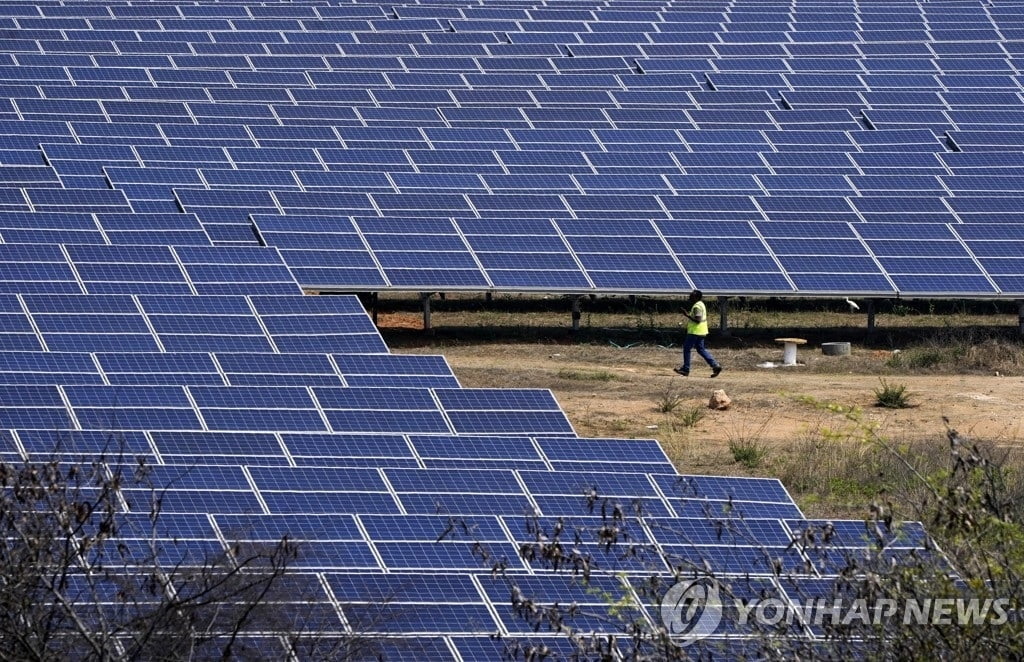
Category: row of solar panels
[485,175]
[477,171]
[725,28]
[57,62]
[467,195]
[798,173]
[671,19]
[456,601]
[562,255]
[827,256]
[309,150]
[214,369]
[477,646]
[381,145]
[235,205]
[227,206]
[520,108]
[323,499]
[715,510]
[866,174]
[482,171]
[469,90]
[682,150]
[301,170]
[435,128]
[887,13]
[566,255]
[161,144]
[400,410]
[76,35]
[305,449]
[849,107]
[170,323]
[167,49]
[40,227]
[509,9]
[994,167]
[803,173]
[531,110]
[398,544]
[42,46]
[99,269]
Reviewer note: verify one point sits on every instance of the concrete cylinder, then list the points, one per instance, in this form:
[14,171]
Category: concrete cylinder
[835,348]
[789,353]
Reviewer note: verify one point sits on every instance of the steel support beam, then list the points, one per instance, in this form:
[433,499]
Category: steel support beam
[723,316]
[425,300]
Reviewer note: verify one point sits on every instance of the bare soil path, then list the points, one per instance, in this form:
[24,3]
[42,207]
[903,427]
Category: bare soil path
[618,391]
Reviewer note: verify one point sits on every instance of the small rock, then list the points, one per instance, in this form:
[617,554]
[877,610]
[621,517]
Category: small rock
[719,400]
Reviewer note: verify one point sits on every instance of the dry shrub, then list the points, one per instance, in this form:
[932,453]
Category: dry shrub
[963,349]
[996,353]
[833,477]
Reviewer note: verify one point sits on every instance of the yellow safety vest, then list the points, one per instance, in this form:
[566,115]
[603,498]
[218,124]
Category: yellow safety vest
[698,328]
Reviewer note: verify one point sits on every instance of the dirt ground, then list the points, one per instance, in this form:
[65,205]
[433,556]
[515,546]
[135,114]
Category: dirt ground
[610,391]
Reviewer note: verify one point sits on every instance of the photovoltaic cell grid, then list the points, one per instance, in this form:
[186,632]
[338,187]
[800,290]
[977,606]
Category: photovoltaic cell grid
[147,150]
[322,115]
[185,323]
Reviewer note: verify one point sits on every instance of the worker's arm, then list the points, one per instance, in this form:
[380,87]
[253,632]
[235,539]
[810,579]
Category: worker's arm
[698,318]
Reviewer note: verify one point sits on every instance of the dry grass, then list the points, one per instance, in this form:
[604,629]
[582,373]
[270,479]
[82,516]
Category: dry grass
[837,477]
[961,349]
[587,375]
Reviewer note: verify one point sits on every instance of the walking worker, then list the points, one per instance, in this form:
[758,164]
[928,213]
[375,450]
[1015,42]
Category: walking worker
[696,332]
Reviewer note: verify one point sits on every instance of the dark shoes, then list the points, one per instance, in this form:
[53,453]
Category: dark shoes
[717,370]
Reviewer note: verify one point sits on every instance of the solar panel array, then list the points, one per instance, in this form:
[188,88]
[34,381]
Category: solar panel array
[772,148]
[172,175]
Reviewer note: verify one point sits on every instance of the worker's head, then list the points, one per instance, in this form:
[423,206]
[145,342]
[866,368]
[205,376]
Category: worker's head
[696,296]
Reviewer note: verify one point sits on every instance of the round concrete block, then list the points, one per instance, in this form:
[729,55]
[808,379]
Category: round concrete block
[835,348]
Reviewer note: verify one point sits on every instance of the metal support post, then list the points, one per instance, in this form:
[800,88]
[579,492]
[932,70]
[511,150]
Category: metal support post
[425,300]
[723,316]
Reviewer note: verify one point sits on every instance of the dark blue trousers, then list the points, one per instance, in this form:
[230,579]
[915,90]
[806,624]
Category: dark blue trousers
[691,343]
